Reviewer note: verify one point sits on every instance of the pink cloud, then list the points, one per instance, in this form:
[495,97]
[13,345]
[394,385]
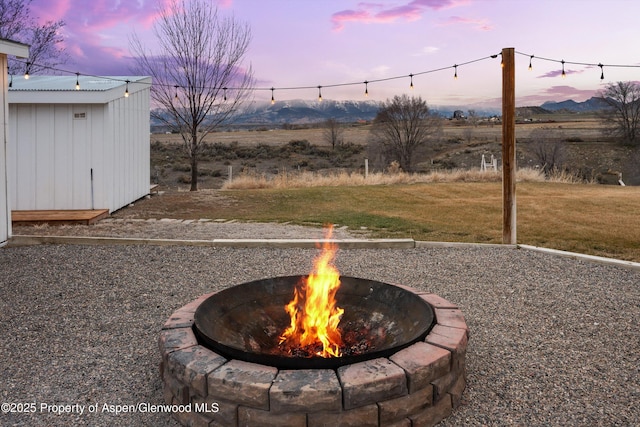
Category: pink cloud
[558,73]
[379,13]
[480,24]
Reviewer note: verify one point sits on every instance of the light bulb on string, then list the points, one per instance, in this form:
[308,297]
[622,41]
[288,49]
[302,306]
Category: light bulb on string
[10,80]
[224,97]
[77,81]
[601,71]
[530,59]
[26,71]
[563,73]
[411,85]
[126,90]
[176,88]
[319,93]
[366,88]
[273,100]
[455,73]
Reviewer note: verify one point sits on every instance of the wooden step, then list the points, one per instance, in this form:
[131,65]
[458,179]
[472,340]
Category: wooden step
[57,217]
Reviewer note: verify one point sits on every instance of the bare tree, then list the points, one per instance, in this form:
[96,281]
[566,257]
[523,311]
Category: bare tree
[622,119]
[44,40]
[199,81]
[403,125]
[548,149]
[333,132]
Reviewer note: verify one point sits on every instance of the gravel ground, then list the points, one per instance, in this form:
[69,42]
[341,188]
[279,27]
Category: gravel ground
[553,341]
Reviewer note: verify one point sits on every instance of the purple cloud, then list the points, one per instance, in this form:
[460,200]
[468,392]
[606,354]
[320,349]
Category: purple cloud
[558,73]
[480,24]
[378,13]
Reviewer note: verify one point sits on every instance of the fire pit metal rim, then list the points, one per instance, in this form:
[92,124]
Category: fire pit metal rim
[206,336]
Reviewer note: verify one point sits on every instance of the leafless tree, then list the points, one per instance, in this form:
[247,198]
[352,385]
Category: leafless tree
[44,40]
[333,132]
[402,126]
[199,80]
[548,149]
[623,116]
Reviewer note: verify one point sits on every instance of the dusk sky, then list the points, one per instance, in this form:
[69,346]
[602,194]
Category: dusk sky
[327,42]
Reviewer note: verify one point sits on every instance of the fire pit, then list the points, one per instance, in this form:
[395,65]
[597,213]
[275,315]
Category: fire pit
[244,322]
[312,351]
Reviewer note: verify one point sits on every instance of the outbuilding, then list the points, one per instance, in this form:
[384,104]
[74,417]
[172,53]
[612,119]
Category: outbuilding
[78,142]
[7,47]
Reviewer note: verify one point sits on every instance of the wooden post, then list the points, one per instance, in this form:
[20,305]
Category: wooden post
[230,173]
[366,168]
[508,146]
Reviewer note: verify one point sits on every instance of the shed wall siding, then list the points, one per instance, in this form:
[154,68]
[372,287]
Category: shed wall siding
[79,156]
[5,210]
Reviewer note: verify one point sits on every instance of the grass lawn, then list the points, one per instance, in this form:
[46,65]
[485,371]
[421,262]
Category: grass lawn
[591,219]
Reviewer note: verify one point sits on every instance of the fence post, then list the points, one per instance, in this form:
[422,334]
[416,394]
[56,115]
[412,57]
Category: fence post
[366,168]
[230,173]
[508,146]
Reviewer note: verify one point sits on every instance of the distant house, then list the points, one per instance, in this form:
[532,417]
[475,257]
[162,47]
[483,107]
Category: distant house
[7,47]
[85,148]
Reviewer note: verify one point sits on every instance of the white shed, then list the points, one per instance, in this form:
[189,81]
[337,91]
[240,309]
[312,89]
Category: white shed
[78,148]
[7,47]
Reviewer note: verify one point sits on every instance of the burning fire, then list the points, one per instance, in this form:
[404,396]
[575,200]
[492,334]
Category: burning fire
[313,309]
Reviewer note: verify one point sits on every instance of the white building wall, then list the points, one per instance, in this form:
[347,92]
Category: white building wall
[55,148]
[5,211]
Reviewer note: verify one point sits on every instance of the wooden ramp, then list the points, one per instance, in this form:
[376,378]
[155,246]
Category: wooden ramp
[54,217]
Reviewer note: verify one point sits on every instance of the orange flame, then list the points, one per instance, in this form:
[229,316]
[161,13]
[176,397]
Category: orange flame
[313,309]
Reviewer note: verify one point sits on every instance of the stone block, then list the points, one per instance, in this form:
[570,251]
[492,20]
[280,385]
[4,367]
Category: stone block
[252,417]
[442,385]
[175,339]
[191,366]
[242,382]
[432,415]
[450,317]
[399,409]
[456,391]
[364,416]
[310,390]
[423,363]
[437,301]
[222,412]
[371,381]
[453,339]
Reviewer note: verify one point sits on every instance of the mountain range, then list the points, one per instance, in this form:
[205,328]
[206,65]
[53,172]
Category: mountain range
[301,112]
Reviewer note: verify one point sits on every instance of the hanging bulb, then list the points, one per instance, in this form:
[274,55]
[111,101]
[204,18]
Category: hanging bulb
[455,74]
[563,73]
[501,61]
[225,93]
[77,81]
[601,71]
[126,91]
[530,66]
[10,80]
[176,87]
[366,88]
[411,85]
[273,101]
[319,94]
[26,71]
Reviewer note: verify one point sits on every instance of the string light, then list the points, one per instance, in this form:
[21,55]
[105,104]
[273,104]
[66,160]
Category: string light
[10,80]
[273,101]
[26,71]
[366,88]
[411,85]
[225,93]
[601,71]
[77,81]
[455,73]
[530,59]
[319,94]
[563,73]
[126,91]
[176,87]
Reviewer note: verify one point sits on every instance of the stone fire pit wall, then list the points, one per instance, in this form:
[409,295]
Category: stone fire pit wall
[417,386]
